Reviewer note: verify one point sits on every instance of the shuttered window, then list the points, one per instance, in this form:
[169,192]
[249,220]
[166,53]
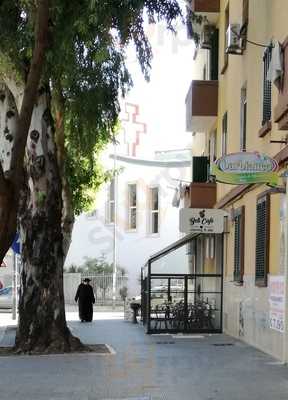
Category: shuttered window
[224,133]
[262,240]
[267,90]
[245,18]
[245,12]
[239,238]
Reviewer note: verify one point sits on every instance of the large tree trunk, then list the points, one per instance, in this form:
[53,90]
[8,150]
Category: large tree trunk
[42,324]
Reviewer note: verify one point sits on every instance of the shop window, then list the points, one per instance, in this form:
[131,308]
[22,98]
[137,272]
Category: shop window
[154,210]
[262,240]
[132,206]
[239,242]
[243,119]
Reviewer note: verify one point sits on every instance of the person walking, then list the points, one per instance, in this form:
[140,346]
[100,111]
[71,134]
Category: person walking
[86,299]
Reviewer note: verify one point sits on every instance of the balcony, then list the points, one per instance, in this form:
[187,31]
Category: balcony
[200,195]
[207,8]
[281,109]
[201,106]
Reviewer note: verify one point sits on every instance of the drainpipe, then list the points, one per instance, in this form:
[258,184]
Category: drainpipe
[285,333]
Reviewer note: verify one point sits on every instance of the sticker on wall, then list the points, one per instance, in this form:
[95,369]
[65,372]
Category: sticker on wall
[246,168]
[277,302]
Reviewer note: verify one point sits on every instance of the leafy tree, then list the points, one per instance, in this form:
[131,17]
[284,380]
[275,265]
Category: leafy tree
[62,65]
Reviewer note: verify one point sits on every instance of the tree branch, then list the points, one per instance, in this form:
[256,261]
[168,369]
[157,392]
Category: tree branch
[30,92]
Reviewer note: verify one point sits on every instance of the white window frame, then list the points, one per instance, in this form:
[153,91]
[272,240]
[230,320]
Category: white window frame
[131,207]
[152,211]
[110,203]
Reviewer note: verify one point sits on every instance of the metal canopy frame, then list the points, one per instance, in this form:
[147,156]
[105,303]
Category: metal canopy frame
[167,319]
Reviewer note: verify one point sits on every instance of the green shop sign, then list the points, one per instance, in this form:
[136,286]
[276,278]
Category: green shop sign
[246,167]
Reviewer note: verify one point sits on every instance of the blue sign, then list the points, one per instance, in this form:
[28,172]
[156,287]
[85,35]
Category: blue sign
[16,244]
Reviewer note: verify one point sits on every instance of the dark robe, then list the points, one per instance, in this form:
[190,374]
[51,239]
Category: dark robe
[86,299]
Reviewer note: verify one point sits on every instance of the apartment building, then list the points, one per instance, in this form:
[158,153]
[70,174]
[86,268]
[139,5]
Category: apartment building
[238,101]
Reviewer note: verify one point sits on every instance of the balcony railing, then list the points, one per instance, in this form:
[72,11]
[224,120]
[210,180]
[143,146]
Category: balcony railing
[205,6]
[201,106]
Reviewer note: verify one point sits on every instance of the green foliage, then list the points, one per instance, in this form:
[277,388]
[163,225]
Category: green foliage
[85,62]
[97,266]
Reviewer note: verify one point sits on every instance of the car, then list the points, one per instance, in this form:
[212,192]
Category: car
[6,297]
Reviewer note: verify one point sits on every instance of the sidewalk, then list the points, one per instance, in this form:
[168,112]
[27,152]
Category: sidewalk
[144,367]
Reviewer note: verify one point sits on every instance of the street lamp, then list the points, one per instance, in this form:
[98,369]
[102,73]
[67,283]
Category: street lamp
[114,284]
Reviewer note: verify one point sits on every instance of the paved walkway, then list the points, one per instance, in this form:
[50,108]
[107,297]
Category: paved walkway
[144,367]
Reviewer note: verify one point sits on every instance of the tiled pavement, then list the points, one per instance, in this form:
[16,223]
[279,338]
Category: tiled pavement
[143,368]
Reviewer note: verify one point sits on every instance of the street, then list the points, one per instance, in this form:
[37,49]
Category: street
[208,367]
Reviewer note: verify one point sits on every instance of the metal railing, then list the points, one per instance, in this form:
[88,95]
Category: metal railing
[103,287]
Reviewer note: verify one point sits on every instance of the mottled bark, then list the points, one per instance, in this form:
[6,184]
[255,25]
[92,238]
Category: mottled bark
[68,217]
[14,176]
[8,203]
[42,324]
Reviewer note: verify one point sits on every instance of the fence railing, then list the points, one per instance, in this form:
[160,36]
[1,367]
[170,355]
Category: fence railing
[103,287]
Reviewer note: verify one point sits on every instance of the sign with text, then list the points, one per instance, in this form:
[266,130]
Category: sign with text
[245,168]
[198,220]
[277,302]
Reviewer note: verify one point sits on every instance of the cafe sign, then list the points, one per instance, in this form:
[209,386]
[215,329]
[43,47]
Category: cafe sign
[199,220]
[245,168]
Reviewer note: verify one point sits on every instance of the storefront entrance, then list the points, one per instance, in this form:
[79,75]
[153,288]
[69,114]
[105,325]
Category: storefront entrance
[182,287]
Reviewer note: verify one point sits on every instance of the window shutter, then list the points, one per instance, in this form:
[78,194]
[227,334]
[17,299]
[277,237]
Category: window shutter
[239,226]
[267,88]
[214,54]
[200,169]
[262,240]
[245,12]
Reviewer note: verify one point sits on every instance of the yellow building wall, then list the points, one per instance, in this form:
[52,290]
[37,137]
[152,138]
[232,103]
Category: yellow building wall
[246,308]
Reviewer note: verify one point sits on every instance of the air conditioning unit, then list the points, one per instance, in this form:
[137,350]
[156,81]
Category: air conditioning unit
[233,39]
[205,37]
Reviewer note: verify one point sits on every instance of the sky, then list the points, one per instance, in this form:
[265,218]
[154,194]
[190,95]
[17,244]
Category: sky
[162,100]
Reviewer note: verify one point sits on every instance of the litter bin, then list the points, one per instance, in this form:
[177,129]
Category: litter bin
[135,307]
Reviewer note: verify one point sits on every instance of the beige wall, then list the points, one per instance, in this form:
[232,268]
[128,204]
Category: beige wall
[246,308]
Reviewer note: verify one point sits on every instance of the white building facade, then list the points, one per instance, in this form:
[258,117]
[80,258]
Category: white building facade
[138,202]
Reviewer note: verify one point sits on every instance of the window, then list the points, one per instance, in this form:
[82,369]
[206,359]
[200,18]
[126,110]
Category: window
[111,203]
[266,87]
[239,242]
[262,240]
[214,53]
[245,12]
[225,39]
[245,19]
[243,119]
[132,206]
[212,148]
[224,134]
[154,210]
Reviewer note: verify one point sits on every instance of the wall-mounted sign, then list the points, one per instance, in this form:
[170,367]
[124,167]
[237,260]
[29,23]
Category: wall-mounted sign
[246,167]
[198,220]
[277,302]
